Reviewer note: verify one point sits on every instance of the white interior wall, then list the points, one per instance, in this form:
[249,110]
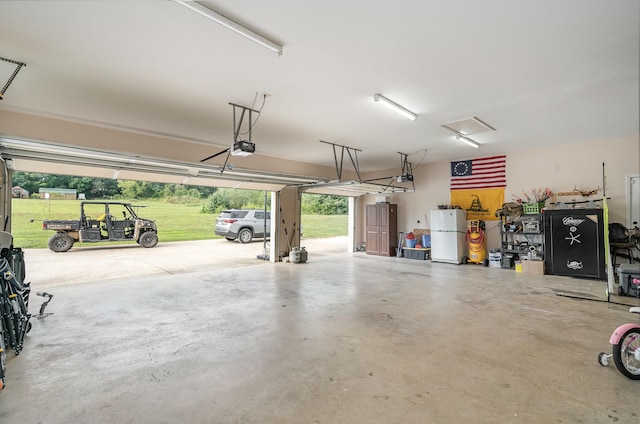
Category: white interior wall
[560,168]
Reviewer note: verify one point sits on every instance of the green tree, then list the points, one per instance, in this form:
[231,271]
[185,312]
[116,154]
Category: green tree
[140,189]
[178,193]
[187,190]
[92,187]
[104,188]
[58,181]
[180,190]
[82,184]
[320,204]
[227,198]
[29,181]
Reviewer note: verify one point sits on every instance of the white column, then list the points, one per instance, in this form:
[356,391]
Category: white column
[351,233]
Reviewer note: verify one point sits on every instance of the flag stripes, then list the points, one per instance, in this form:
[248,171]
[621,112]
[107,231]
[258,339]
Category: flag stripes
[479,173]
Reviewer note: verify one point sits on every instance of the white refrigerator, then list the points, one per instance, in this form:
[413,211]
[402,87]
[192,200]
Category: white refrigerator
[448,235]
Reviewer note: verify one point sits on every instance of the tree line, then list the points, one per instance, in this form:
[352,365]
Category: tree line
[105,188]
[213,199]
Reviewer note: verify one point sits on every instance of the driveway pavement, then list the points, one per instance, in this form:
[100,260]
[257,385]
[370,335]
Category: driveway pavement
[95,263]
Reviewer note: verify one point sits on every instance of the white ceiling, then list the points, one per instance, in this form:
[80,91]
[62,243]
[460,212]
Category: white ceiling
[541,72]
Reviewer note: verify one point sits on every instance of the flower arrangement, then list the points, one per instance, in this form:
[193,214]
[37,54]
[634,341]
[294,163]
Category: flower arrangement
[537,195]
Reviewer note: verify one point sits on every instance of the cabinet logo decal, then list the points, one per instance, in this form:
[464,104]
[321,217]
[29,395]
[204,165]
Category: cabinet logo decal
[574,265]
[573,238]
[574,222]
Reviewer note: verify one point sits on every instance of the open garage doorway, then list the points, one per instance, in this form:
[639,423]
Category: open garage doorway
[326,217]
[182,212]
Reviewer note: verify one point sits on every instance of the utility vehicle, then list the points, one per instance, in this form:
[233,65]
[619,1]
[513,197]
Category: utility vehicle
[100,221]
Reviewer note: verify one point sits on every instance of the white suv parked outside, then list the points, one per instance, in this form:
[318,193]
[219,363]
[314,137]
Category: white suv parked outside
[243,224]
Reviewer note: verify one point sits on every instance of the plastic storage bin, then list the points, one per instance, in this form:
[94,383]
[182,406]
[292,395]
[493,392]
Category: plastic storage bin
[532,208]
[627,273]
[421,254]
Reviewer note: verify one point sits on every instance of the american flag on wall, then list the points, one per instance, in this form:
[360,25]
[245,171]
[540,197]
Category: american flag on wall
[479,173]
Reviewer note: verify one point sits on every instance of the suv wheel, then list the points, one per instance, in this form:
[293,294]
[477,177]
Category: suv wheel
[245,235]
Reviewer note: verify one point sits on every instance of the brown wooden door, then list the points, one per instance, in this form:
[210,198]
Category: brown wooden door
[383,221]
[373,230]
[382,231]
[388,229]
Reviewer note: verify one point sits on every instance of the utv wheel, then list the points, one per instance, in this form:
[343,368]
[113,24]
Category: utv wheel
[60,242]
[245,235]
[148,239]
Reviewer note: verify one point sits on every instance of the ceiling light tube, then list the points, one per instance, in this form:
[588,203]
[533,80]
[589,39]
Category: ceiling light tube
[379,98]
[229,24]
[468,141]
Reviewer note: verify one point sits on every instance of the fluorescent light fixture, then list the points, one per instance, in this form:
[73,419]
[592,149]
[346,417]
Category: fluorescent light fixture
[468,141]
[379,98]
[229,24]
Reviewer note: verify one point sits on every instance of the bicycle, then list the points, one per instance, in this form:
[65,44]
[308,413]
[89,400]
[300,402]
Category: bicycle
[626,349]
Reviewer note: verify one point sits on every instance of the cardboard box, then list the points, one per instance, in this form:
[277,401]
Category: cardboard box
[533,267]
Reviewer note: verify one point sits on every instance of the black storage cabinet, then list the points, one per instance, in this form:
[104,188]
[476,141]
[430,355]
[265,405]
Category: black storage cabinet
[574,243]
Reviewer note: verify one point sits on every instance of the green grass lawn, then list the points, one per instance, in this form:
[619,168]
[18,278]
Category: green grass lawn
[176,222]
[318,226]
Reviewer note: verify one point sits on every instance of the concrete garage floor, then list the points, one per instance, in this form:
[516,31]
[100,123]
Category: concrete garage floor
[344,338]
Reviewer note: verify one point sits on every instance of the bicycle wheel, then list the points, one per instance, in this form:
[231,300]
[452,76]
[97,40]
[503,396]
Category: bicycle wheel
[626,354]
[3,356]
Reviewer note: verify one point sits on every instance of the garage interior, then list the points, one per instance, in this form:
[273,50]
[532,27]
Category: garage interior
[165,90]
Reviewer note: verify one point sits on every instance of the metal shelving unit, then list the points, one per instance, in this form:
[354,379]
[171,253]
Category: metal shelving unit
[522,236]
